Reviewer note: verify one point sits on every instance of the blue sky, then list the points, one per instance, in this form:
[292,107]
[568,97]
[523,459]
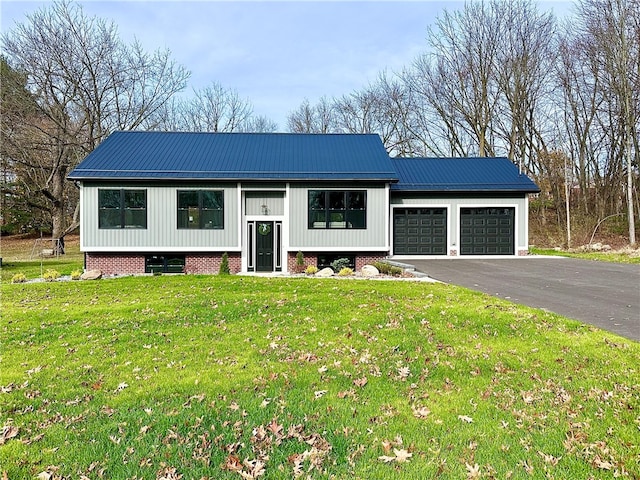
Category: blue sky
[275,54]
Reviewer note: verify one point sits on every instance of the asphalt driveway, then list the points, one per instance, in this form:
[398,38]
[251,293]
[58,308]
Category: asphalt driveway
[603,294]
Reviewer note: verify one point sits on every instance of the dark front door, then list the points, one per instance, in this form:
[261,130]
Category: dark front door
[264,246]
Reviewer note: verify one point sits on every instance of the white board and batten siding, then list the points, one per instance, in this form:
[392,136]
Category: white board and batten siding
[162,233]
[264,203]
[373,238]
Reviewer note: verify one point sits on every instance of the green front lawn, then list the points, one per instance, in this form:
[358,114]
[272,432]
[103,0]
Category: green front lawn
[245,377]
[614,257]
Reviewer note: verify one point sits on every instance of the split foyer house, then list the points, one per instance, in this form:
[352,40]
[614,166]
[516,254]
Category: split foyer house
[176,202]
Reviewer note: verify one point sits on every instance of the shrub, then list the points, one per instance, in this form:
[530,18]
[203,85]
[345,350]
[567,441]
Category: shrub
[224,265]
[75,275]
[18,278]
[50,275]
[382,267]
[388,269]
[345,272]
[311,270]
[299,267]
[395,271]
[339,264]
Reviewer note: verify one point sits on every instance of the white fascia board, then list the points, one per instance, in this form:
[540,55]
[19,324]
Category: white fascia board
[159,249]
[354,249]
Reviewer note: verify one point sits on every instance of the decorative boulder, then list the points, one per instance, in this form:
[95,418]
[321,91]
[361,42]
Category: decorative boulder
[325,272]
[369,271]
[91,275]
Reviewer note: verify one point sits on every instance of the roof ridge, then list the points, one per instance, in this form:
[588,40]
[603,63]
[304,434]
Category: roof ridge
[178,132]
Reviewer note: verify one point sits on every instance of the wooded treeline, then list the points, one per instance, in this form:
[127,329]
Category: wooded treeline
[558,96]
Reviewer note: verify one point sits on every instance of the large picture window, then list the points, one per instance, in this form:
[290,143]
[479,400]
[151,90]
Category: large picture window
[337,209]
[121,208]
[200,209]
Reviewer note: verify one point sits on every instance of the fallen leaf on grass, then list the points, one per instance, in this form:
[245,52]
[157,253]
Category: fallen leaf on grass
[550,459]
[465,418]
[347,393]
[121,387]
[168,473]
[232,463]
[274,427]
[360,382]
[400,456]
[420,412]
[255,469]
[404,372]
[7,433]
[527,397]
[320,393]
[473,471]
[602,464]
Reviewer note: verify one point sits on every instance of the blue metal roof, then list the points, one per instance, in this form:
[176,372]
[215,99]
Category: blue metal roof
[136,155]
[481,174]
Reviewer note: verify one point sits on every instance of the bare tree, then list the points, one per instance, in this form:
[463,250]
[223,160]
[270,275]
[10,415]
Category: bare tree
[434,121]
[524,66]
[599,72]
[259,124]
[466,47]
[614,32]
[319,118]
[215,109]
[86,83]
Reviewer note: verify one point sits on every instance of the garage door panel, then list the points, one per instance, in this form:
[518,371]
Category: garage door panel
[487,231]
[420,231]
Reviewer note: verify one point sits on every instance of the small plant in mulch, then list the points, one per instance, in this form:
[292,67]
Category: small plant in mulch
[299,266]
[345,272]
[340,264]
[51,275]
[311,270]
[388,269]
[75,275]
[19,278]
[224,265]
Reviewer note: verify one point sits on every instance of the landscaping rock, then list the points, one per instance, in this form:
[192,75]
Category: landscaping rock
[91,275]
[369,271]
[325,272]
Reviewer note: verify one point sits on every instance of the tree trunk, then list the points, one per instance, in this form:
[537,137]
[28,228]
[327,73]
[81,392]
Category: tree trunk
[58,219]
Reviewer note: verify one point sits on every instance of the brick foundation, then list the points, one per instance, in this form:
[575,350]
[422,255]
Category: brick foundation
[129,263]
[369,259]
[311,258]
[210,263]
[115,263]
